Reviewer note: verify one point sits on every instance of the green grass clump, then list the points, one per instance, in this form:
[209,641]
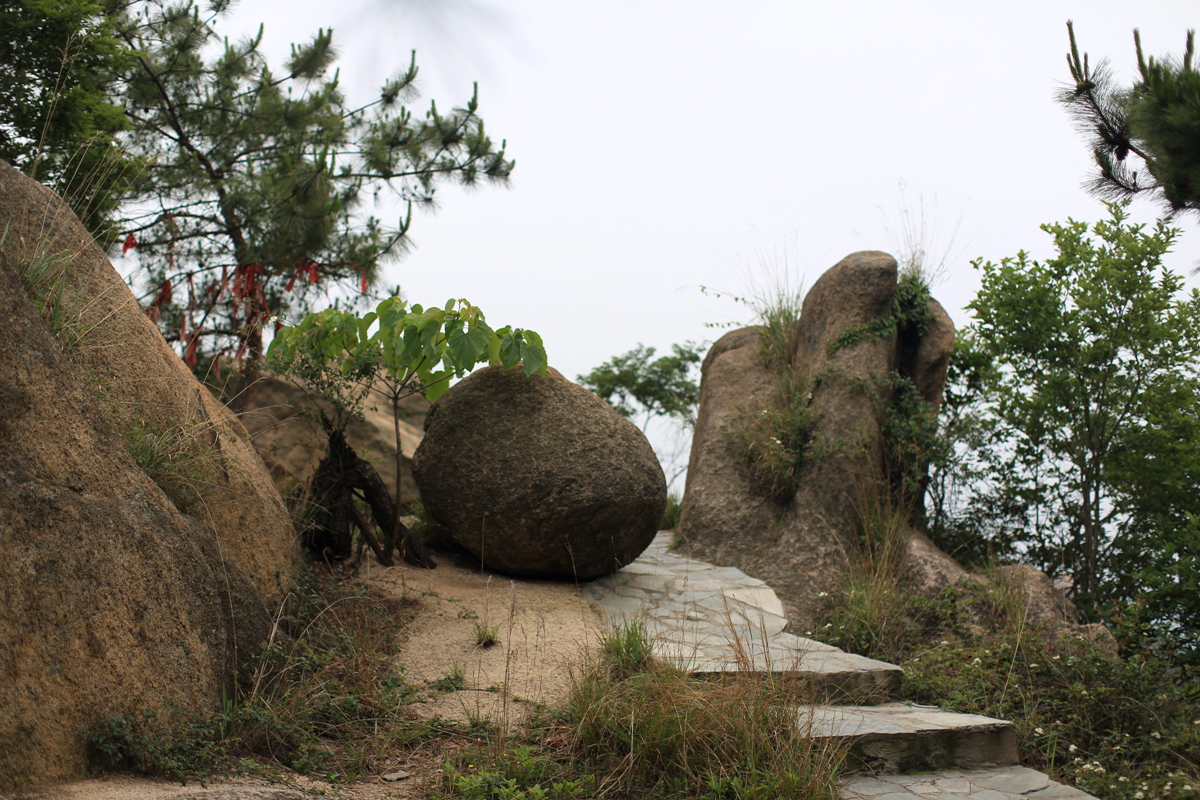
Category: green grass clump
[175,457]
[453,681]
[43,276]
[773,441]
[634,728]
[486,635]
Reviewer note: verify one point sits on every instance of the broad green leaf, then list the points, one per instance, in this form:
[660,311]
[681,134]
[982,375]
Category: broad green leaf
[535,359]
[511,348]
[468,346]
[436,384]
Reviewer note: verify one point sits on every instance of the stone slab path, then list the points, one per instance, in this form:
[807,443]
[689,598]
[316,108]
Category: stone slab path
[708,619]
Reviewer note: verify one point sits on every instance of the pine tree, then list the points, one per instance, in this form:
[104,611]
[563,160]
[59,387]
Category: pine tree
[1157,121]
[252,197]
[59,63]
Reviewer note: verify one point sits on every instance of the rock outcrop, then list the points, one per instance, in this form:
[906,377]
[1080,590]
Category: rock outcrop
[845,362]
[144,388]
[115,603]
[537,476]
[859,345]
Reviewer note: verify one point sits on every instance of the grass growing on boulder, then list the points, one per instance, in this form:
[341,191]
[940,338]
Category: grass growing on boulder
[176,457]
[42,276]
[774,440]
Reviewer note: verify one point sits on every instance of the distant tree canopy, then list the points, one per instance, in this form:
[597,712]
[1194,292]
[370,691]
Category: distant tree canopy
[664,386]
[59,67]
[1156,121]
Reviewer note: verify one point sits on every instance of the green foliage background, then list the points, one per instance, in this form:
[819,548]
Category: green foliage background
[1075,396]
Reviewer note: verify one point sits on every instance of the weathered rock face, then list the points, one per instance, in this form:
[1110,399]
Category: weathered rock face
[1044,604]
[804,549]
[292,446]
[1049,610]
[115,603]
[145,385]
[538,476]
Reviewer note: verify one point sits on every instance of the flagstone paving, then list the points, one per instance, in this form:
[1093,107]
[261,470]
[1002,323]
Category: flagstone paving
[718,620]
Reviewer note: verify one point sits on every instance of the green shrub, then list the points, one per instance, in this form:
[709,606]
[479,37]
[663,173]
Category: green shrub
[1118,728]
[180,749]
[670,517]
[628,647]
[774,441]
[1125,729]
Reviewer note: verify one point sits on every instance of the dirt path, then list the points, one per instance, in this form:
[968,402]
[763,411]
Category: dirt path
[543,630]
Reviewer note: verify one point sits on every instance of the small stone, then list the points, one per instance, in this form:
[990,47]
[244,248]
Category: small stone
[990,794]
[398,775]
[1016,780]
[868,787]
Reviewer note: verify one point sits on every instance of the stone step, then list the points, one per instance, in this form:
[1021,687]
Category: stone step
[997,783]
[711,620]
[902,737]
[834,675]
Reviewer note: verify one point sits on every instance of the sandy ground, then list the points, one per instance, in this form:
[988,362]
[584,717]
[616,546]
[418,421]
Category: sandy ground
[543,630]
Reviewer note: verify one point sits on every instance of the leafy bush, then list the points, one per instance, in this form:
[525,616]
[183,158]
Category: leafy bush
[1089,388]
[1120,728]
[1125,729]
[774,441]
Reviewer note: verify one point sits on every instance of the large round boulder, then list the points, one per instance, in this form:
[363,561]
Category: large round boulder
[537,476]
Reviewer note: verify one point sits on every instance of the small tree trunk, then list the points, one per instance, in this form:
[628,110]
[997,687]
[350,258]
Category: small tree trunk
[407,543]
[342,472]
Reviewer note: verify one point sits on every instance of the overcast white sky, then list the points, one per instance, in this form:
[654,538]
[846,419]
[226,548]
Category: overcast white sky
[664,145]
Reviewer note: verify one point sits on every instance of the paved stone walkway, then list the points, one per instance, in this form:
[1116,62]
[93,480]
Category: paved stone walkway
[708,619]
